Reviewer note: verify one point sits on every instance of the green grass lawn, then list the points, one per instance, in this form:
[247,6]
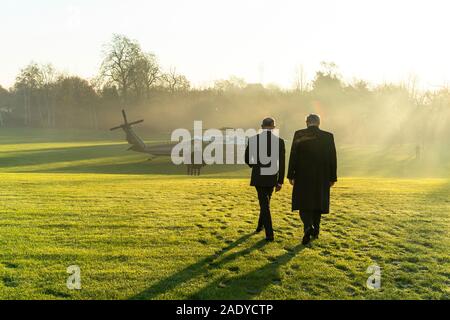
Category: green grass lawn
[143,230]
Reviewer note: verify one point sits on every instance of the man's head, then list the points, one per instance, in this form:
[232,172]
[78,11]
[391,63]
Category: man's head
[268,123]
[313,120]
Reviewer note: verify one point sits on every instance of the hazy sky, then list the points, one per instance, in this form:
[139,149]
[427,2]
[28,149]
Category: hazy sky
[378,40]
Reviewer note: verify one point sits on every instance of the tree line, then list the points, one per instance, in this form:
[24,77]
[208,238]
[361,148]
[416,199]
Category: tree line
[43,97]
[132,78]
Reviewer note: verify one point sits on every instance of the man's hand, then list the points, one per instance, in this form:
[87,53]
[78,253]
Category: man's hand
[292,182]
[332,183]
[278,187]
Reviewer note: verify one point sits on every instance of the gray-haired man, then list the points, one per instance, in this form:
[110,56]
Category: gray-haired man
[312,172]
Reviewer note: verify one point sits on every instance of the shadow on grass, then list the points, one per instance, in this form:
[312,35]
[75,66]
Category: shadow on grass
[48,156]
[161,166]
[198,269]
[249,285]
[238,289]
[108,159]
[20,135]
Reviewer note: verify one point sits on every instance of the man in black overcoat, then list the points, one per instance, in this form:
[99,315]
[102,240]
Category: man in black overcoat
[266,175]
[312,172]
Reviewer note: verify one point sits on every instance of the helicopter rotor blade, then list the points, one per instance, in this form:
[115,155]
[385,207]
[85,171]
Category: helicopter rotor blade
[135,122]
[124,116]
[126,124]
[115,128]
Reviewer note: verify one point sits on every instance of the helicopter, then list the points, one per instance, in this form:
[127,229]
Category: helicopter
[136,142]
[165,149]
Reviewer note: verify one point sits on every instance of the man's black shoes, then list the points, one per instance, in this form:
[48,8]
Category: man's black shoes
[259,229]
[306,239]
[271,239]
[315,234]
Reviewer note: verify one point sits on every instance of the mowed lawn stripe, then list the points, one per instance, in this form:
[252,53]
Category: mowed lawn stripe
[165,237]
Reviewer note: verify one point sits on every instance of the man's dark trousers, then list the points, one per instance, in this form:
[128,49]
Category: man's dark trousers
[265,219]
[311,222]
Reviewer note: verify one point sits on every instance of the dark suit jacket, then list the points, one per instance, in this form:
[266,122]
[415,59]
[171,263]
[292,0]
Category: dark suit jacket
[312,164]
[257,178]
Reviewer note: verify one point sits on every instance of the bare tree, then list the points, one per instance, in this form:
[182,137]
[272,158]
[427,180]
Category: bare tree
[48,77]
[5,106]
[119,63]
[151,71]
[174,81]
[146,74]
[411,85]
[300,79]
[37,86]
[27,83]
[232,84]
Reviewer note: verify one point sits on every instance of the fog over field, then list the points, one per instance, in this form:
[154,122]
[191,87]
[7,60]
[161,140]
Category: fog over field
[393,129]
[376,75]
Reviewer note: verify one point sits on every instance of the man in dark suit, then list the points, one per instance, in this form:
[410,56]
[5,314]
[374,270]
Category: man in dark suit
[265,154]
[312,172]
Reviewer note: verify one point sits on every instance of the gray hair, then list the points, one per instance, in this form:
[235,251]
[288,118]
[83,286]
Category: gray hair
[313,119]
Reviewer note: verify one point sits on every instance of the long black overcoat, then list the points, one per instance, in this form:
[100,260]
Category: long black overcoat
[312,164]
